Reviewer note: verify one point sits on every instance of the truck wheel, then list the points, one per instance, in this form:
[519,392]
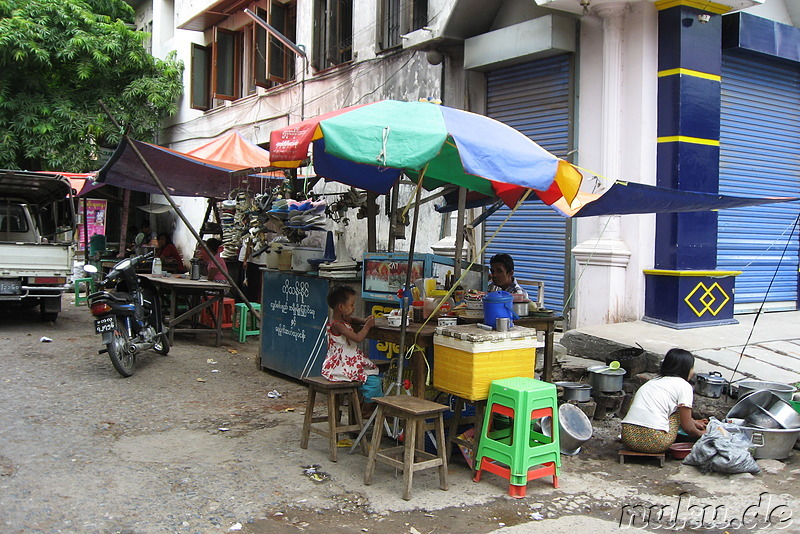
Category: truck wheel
[124,362]
[48,317]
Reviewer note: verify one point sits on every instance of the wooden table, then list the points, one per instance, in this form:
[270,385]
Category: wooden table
[192,291]
[548,325]
[424,339]
[383,332]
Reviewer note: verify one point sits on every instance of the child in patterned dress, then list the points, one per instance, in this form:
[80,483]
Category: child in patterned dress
[345,361]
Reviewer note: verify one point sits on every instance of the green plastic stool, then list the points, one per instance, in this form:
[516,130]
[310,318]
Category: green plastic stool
[511,452]
[89,290]
[245,324]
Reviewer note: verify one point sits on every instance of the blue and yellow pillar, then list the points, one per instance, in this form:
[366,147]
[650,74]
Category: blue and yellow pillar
[689,75]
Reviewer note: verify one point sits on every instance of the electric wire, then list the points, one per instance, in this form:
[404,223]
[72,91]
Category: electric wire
[764,301]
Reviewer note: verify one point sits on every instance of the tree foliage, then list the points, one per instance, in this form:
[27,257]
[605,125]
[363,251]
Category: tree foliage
[58,58]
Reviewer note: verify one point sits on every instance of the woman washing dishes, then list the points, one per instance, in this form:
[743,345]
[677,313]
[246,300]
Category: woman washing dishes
[661,406]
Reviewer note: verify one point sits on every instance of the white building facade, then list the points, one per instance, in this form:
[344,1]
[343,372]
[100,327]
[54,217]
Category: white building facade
[673,92]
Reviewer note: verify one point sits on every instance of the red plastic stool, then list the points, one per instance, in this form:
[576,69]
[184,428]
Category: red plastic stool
[208,317]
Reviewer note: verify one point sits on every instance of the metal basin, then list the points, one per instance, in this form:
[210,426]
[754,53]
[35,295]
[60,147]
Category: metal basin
[773,444]
[767,410]
[574,428]
[746,387]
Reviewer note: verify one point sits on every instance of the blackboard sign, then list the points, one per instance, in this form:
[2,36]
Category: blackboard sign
[294,314]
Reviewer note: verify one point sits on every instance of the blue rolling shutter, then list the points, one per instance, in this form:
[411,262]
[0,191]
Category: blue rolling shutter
[760,156]
[535,98]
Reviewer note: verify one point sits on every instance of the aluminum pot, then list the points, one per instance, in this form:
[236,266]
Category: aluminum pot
[604,379]
[576,391]
[574,428]
[710,384]
[773,444]
[521,308]
[745,387]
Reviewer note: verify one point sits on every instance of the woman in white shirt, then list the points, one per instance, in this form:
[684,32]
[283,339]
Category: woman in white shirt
[661,406]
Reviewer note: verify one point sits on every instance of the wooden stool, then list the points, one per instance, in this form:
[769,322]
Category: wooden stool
[333,390]
[413,411]
[633,454]
[458,420]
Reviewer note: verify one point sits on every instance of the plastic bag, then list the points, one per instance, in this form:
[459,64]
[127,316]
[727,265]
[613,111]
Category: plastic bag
[724,448]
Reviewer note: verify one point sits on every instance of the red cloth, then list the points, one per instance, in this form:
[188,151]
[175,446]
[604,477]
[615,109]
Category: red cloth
[170,252]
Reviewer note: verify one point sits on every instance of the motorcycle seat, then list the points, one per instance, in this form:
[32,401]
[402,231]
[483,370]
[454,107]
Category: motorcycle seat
[120,298]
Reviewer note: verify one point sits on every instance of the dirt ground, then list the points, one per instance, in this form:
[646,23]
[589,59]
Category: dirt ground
[194,443]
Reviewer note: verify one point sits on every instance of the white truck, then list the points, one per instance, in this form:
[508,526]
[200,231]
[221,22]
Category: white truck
[37,231]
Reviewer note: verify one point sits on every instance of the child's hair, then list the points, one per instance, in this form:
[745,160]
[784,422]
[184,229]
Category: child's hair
[677,362]
[339,295]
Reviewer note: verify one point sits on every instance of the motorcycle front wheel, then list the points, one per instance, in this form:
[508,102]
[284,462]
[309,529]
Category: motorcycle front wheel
[161,346]
[124,362]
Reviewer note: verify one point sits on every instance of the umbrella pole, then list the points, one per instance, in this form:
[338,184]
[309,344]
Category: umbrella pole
[180,214]
[404,301]
[398,384]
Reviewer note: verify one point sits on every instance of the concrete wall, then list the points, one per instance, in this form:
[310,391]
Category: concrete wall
[403,75]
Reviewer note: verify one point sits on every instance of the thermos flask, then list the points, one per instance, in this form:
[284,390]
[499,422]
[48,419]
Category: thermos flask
[195,269]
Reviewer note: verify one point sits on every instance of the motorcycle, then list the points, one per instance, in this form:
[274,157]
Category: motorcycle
[129,317]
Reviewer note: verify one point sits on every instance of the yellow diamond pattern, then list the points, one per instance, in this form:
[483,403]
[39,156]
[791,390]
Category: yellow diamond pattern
[707,300]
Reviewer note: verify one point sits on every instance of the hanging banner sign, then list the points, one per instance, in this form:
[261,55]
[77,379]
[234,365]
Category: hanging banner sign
[96,210]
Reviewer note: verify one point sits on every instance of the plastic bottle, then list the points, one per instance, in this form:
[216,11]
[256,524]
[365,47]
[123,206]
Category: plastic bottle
[157,266]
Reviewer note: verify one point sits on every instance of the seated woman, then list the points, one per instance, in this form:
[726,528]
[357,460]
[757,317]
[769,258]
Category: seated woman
[662,405]
[214,273]
[171,259]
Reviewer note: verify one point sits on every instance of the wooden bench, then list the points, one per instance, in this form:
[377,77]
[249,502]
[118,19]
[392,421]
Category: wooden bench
[633,454]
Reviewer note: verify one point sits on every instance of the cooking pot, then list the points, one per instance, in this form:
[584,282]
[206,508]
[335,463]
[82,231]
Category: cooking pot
[574,428]
[710,384]
[745,387]
[521,308]
[773,444]
[603,378]
[576,391]
[301,255]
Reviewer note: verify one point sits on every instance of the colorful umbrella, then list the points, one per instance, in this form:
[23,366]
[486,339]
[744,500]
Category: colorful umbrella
[368,147]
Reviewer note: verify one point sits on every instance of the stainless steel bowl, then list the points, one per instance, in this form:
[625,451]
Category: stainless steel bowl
[762,406]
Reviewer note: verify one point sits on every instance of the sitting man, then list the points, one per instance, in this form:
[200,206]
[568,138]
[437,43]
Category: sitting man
[501,269]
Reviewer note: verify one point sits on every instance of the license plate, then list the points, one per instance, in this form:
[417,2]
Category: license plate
[10,287]
[106,324]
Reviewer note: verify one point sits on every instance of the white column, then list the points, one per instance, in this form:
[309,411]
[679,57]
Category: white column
[601,261]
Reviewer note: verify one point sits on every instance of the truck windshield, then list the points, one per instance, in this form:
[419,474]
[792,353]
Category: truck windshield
[12,218]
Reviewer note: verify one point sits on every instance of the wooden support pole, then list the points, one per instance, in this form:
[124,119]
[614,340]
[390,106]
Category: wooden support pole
[459,244]
[182,217]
